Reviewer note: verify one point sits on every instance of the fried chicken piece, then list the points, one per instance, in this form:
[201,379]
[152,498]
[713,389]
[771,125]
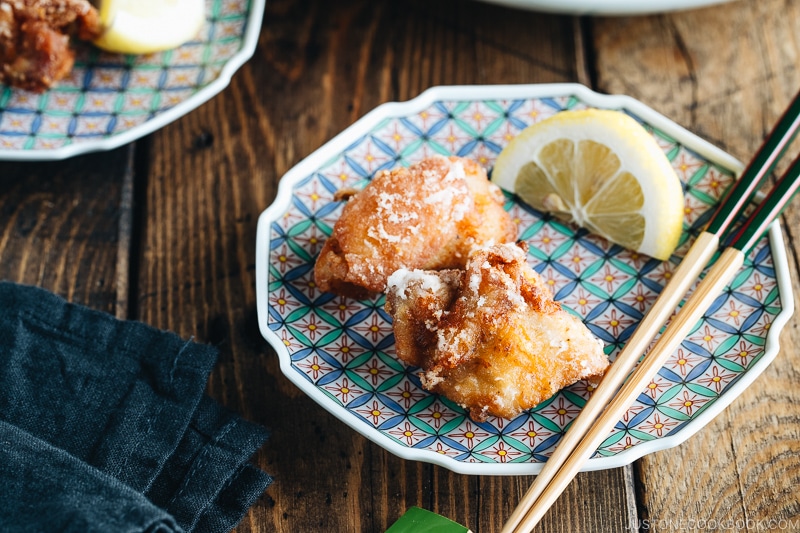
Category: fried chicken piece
[429,216]
[35,39]
[490,338]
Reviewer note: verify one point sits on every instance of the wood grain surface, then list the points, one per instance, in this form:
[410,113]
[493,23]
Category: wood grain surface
[725,73]
[323,67]
[163,231]
[59,226]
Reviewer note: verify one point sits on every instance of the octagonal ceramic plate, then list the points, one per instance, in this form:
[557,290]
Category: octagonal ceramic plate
[112,99]
[607,7]
[341,352]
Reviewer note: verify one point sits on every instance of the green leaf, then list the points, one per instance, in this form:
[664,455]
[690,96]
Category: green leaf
[468,129]
[494,106]
[624,289]
[536,253]
[772,296]
[297,249]
[673,413]
[591,269]
[391,362]
[594,289]
[299,228]
[613,439]
[740,278]
[488,443]
[517,445]
[562,228]
[759,341]
[695,178]
[422,425]
[411,148]
[327,317]
[574,398]
[459,108]
[419,406]
[660,134]
[623,266]
[703,197]
[729,365]
[493,126]
[673,152]
[701,390]
[726,345]
[297,314]
[360,360]
[299,336]
[561,250]
[329,337]
[669,394]
[453,424]
[357,379]
[532,230]
[546,422]
[323,227]
[438,148]
[390,382]
[641,435]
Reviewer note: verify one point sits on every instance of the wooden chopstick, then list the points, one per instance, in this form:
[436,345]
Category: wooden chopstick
[687,273]
[728,264]
[724,269]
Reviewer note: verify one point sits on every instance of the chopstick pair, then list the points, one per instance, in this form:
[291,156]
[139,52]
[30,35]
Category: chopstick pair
[614,395]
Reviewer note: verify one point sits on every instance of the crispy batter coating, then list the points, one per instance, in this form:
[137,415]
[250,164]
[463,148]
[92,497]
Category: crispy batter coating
[34,39]
[490,338]
[428,216]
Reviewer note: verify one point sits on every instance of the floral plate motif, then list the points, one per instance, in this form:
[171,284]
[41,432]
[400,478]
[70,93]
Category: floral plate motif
[341,351]
[607,7]
[111,99]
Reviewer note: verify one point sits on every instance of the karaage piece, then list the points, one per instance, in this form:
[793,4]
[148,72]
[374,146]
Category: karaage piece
[428,216]
[35,39]
[490,338]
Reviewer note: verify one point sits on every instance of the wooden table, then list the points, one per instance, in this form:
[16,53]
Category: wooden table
[163,231]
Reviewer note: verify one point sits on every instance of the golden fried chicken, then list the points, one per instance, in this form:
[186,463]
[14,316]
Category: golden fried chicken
[490,338]
[429,216]
[34,39]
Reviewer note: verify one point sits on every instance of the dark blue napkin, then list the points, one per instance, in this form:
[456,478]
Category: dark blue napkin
[119,408]
[44,488]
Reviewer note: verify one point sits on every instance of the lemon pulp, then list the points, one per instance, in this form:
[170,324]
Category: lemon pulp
[601,170]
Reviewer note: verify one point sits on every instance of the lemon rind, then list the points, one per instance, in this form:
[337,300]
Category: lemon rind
[621,133]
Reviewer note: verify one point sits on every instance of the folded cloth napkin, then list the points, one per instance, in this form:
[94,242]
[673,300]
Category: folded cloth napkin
[114,414]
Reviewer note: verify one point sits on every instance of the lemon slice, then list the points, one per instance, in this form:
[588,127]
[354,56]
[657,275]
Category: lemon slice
[145,26]
[601,170]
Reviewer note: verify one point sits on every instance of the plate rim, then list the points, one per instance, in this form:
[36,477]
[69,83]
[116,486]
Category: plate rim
[387,110]
[608,7]
[249,43]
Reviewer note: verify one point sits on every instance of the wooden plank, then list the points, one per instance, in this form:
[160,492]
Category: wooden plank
[126,232]
[319,67]
[61,226]
[726,73]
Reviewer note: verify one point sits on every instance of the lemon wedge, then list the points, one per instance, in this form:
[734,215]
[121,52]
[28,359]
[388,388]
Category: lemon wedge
[601,170]
[146,26]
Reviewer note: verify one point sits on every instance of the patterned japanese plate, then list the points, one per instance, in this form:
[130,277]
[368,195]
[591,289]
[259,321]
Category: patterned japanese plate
[607,7]
[112,99]
[341,352]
